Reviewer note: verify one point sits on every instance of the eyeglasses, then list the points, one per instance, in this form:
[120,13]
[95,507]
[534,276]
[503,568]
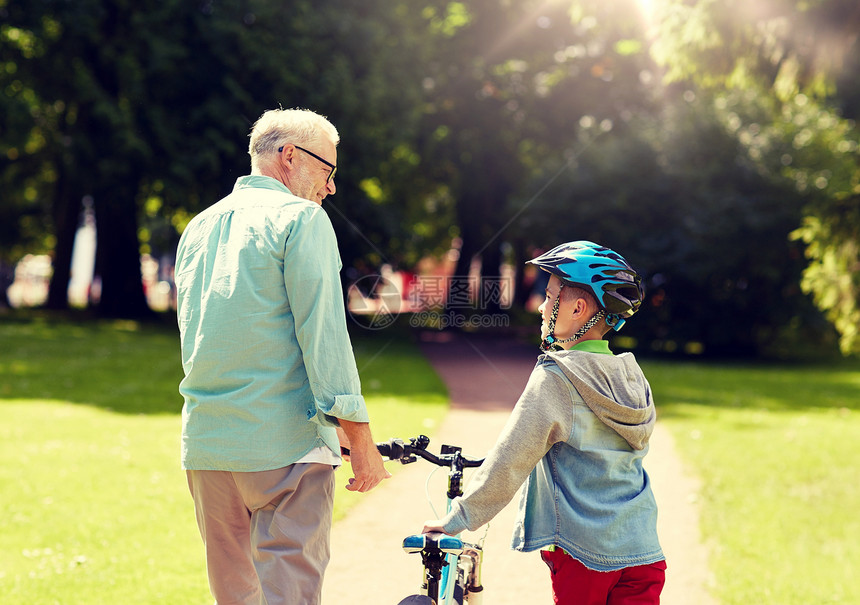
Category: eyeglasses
[313,155]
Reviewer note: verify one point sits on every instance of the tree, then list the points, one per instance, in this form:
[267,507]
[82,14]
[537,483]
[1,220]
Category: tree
[507,124]
[387,209]
[615,156]
[26,176]
[145,108]
[797,62]
[496,103]
[676,194]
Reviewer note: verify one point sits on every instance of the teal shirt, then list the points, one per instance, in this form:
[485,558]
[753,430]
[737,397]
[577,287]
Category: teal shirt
[268,363]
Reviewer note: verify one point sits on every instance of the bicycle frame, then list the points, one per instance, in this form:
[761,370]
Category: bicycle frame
[455,488]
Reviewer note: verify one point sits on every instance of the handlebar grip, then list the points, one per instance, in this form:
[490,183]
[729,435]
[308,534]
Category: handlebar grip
[395,449]
[385,449]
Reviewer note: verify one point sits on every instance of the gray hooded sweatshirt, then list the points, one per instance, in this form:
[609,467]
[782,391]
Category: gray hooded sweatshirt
[577,437]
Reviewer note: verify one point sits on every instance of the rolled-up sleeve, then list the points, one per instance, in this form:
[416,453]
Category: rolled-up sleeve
[311,275]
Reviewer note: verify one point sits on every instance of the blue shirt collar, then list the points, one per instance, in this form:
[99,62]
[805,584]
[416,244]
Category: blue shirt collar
[259,181]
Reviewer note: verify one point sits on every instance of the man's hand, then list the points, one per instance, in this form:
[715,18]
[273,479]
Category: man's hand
[367,467]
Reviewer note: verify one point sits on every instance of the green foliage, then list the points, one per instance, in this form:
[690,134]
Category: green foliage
[813,149]
[155,100]
[833,276]
[373,92]
[793,60]
[24,179]
[505,125]
[708,229]
[505,95]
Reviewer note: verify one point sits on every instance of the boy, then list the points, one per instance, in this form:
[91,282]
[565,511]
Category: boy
[577,436]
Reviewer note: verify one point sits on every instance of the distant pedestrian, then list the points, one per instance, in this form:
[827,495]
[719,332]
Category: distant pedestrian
[577,437]
[271,388]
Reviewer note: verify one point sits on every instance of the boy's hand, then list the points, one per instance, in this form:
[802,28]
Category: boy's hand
[433,527]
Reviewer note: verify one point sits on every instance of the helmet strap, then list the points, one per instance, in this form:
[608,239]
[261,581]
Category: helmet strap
[551,343]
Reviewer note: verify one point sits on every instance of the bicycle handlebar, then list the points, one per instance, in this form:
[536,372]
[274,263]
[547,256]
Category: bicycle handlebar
[396,449]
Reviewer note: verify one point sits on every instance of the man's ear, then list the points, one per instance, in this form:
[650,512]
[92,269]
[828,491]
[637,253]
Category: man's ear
[287,156]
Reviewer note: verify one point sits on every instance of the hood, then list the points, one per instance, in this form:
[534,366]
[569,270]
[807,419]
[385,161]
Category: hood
[615,389]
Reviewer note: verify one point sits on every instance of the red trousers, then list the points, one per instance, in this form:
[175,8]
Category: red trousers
[574,584]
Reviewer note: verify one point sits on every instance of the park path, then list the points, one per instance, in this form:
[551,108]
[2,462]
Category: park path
[485,375]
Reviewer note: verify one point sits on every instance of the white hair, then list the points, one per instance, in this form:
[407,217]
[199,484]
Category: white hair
[278,127]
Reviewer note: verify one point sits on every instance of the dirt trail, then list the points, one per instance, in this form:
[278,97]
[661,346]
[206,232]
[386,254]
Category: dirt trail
[485,376]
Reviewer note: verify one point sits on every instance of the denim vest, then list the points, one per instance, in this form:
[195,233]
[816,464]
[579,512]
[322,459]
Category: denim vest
[591,497]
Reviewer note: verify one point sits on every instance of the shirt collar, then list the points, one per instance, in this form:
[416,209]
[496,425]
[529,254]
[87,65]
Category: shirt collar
[593,346]
[257,181]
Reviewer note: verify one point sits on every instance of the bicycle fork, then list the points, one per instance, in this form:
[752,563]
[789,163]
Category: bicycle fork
[472,558]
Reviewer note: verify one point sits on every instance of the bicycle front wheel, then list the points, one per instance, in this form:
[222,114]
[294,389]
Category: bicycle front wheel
[417,600]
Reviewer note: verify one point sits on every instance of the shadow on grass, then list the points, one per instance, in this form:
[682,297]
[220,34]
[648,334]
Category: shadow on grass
[775,387]
[124,366]
[135,367]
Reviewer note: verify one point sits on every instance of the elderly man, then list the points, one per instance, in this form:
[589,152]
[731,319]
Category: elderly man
[271,387]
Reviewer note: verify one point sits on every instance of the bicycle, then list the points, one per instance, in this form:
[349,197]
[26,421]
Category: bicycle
[442,556]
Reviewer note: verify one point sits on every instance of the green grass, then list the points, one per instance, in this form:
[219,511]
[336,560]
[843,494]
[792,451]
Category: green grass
[93,505]
[777,449]
[94,508]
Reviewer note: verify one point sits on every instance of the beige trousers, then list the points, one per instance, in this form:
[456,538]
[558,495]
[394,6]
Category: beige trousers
[266,534]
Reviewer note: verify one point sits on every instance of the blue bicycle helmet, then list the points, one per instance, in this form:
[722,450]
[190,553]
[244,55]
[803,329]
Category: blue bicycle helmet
[599,270]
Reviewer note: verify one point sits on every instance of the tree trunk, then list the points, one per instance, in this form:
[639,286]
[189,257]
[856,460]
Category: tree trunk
[118,255]
[7,277]
[481,239]
[66,210]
